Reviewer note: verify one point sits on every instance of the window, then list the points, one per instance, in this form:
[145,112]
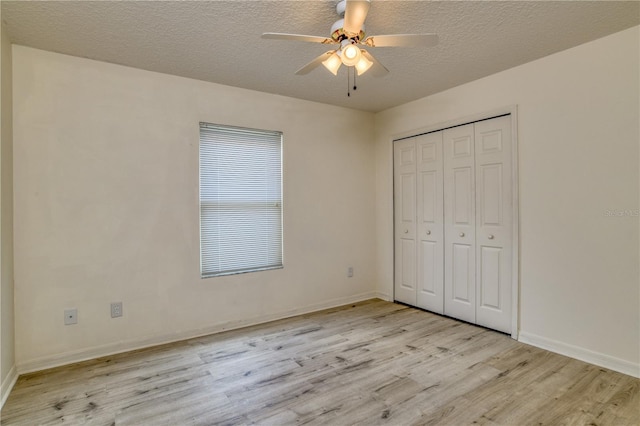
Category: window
[240,200]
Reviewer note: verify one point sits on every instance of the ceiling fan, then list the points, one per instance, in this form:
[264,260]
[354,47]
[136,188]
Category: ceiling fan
[349,34]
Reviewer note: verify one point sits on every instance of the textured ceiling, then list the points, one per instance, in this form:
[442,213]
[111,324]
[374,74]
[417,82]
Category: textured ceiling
[219,41]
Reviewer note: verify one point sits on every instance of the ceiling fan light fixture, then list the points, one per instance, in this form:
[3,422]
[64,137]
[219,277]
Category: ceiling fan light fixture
[350,54]
[332,63]
[363,65]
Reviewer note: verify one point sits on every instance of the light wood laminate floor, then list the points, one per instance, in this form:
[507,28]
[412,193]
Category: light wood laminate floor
[369,363]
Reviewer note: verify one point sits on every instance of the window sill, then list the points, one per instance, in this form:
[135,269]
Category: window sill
[243,271]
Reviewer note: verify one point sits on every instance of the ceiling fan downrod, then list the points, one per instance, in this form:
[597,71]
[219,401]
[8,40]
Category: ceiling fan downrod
[338,32]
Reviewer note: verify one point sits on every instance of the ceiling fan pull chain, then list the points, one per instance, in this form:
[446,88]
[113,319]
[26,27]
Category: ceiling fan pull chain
[354,79]
[348,84]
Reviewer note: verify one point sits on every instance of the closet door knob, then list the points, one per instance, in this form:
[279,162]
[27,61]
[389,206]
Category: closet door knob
[462,234]
[428,232]
[406,231]
[491,237]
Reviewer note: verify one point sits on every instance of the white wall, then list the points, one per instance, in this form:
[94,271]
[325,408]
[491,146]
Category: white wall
[7,354]
[578,130]
[106,207]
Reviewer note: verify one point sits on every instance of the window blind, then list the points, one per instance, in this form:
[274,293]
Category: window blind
[240,200]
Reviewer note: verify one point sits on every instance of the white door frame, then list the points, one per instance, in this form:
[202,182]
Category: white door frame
[515,263]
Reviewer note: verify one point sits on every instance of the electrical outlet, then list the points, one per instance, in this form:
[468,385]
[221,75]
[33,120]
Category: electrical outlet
[70,316]
[350,271]
[116,309]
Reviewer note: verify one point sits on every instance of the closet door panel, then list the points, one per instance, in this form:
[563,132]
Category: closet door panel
[462,259]
[459,223]
[490,260]
[494,223]
[462,197]
[408,267]
[430,222]
[404,157]
[428,282]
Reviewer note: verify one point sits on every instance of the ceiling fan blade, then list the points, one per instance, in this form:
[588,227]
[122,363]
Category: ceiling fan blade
[298,37]
[354,15]
[401,40]
[377,69]
[315,63]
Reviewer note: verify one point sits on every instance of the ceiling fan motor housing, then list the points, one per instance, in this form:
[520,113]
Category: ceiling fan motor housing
[338,33]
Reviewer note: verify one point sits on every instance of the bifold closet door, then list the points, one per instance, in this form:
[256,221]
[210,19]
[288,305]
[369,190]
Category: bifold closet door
[494,222]
[404,202]
[430,227]
[453,204]
[459,223]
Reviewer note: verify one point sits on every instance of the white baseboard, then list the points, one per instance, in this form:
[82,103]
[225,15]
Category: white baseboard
[65,358]
[383,296]
[597,358]
[7,385]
